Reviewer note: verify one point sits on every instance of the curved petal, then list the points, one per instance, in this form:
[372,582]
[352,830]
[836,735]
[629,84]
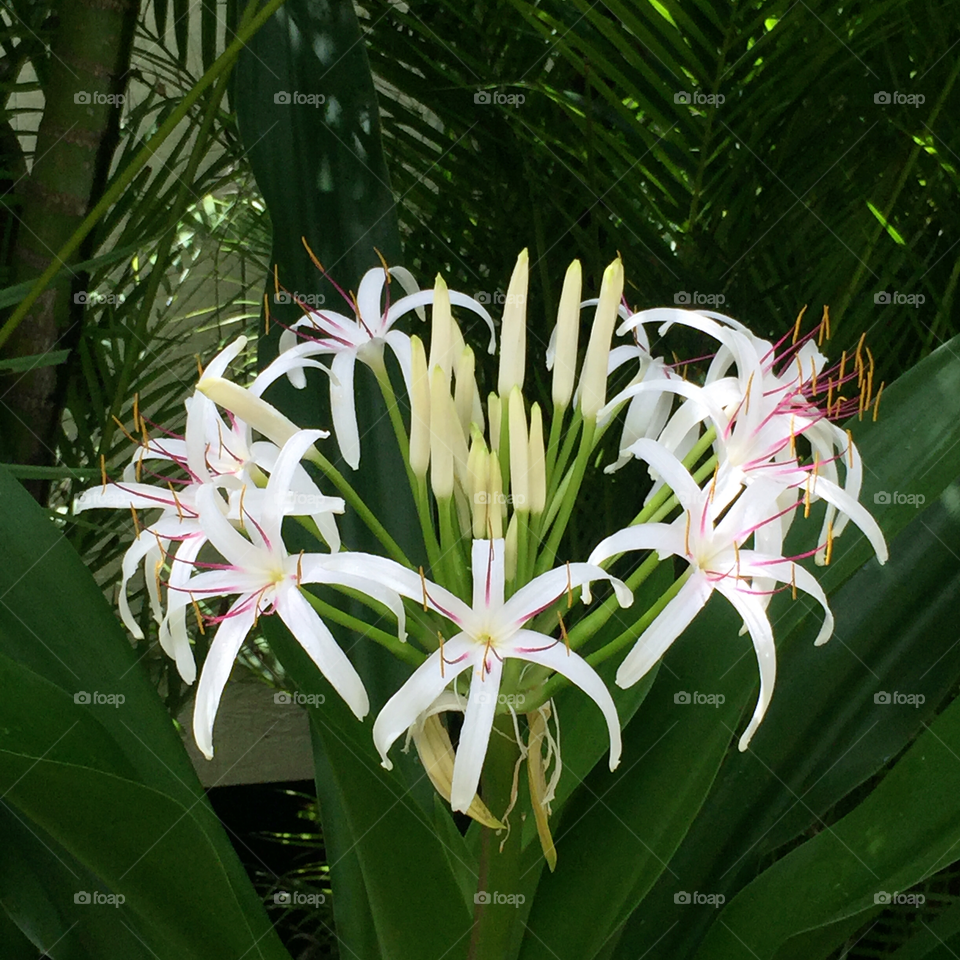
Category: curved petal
[544,590]
[475,732]
[529,646]
[218,365]
[216,670]
[369,297]
[277,498]
[458,299]
[235,548]
[313,635]
[762,636]
[291,362]
[665,538]
[343,408]
[399,343]
[672,620]
[425,684]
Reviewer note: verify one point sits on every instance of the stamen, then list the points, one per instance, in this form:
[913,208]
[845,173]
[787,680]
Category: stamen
[312,255]
[440,638]
[569,588]
[176,500]
[383,263]
[796,326]
[157,567]
[266,314]
[276,281]
[876,405]
[686,536]
[793,581]
[843,363]
[829,553]
[136,407]
[713,483]
[563,633]
[746,408]
[199,365]
[126,432]
[299,562]
[103,472]
[813,375]
[196,610]
[850,447]
[243,491]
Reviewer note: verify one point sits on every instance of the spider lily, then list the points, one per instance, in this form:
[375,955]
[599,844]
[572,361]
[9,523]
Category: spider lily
[349,339]
[489,632]
[266,579]
[712,546]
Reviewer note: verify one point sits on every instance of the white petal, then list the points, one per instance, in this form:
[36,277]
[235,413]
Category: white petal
[487,564]
[665,538]
[216,670]
[235,548]
[312,634]
[421,689]
[675,617]
[278,486]
[541,592]
[531,646]
[762,636]
[475,732]
[343,408]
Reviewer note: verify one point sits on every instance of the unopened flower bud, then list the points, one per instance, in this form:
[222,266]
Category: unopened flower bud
[496,502]
[519,452]
[510,549]
[493,413]
[537,467]
[593,379]
[441,446]
[567,334]
[419,409]
[441,333]
[513,332]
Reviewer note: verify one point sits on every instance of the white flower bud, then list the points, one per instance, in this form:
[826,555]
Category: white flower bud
[478,473]
[466,388]
[537,466]
[568,330]
[593,379]
[496,502]
[513,332]
[510,549]
[441,333]
[441,446]
[519,453]
[419,409]
[249,408]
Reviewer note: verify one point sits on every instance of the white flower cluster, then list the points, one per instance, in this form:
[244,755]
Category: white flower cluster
[494,496]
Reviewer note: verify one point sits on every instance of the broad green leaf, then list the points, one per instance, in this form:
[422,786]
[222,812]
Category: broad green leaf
[907,829]
[824,734]
[79,695]
[396,843]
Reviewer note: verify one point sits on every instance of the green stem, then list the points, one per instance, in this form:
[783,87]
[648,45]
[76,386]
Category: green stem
[363,511]
[400,650]
[222,64]
[566,509]
[553,443]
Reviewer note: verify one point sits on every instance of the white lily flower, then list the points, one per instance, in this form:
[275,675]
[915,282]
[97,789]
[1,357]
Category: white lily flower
[713,549]
[349,339]
[490,631]
[265,579]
